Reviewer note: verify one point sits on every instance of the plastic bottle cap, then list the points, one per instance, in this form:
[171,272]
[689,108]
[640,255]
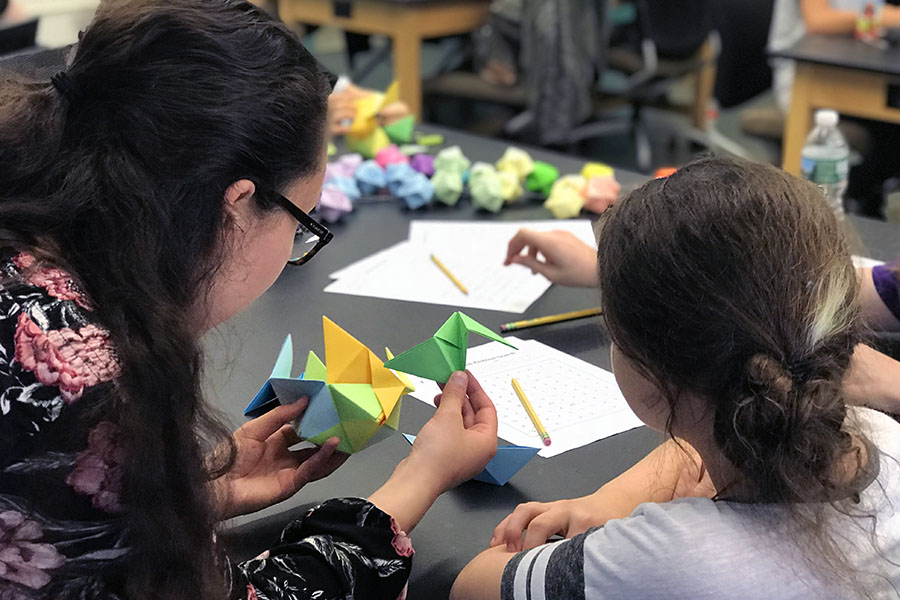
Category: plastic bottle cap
[826,118]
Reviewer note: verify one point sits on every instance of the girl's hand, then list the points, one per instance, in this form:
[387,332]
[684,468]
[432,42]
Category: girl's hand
[265,470]
[557,255]
[539,521]
[461,437]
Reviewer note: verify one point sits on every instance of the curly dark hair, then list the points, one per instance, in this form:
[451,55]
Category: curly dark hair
[121,181]
[732,281]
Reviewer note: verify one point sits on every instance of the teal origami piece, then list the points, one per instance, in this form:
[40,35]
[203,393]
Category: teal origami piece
[355,398]
[438,357]
[508,461]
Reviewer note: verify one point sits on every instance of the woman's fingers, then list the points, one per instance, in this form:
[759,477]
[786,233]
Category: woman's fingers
[264,426]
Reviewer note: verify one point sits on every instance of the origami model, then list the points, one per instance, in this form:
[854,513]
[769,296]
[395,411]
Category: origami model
[368,134]
[566,197]
[416,191]
[485,187]
[333,204]
[397,175]
[596,169]
[451,159]
[508,461]
[439,356]
[424,164]
[542,177]
[346,185]
[353,398]
[448,186]
[515,160]
[601,192]
[390,155]
[370,178]
[510,186]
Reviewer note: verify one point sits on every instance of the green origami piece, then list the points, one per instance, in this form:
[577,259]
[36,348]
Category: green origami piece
[448,187]
[542,178]
[438,357]
[401,132]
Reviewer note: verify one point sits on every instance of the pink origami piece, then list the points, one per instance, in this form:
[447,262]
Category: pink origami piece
[390,156]
[333,204]
[345,166]
[600,193]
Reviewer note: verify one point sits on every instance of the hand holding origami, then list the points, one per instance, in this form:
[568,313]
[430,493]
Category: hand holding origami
[464,427]
[265,470]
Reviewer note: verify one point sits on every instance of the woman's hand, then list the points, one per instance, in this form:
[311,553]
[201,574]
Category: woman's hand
[539,521]
[265,470]
[557,255]
[452,447]
[342,108]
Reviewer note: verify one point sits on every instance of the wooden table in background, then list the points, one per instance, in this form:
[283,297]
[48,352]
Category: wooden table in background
[406,22]
[843,74]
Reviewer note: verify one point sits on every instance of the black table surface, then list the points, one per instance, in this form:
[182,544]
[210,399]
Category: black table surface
[460,523]
[843,51]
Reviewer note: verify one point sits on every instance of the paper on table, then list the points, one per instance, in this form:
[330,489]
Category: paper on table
[577,402]
[863,262]
[473,252]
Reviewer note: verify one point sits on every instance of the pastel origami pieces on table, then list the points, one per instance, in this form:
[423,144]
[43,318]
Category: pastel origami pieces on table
[485,187]
[451,159]
[448,187]
[542,177]
[397,174]
[515,160]
[344,166]
[508,461]
[601,192]
[401,130]
[416,191]
[423,163]
[368,145]
[510,187]
[346,185]
[391,155]
[333,204]
[596,169]
[353,398]
[439,356]
[566,197]
[370,178]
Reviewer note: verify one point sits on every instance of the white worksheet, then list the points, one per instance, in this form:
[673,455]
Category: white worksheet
[577,402]
[473,252]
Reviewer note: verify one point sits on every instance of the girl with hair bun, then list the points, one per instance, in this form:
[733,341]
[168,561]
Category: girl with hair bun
[732,306]
[148,192]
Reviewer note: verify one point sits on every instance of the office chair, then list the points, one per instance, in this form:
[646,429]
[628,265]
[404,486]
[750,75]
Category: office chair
[18,36]
[676,39]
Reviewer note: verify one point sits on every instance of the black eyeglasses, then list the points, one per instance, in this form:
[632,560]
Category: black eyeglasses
[311,235]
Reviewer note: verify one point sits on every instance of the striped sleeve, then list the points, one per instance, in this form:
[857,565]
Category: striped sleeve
[554,570]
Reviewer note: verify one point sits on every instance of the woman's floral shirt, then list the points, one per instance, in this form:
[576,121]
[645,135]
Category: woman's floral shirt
[62,535]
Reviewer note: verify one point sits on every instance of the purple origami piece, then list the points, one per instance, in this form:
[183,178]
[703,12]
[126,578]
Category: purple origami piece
[346,185]
[416,191]
[423,163]
[344,166]
[397,175]
[333,204]
[370,178]
[390,156]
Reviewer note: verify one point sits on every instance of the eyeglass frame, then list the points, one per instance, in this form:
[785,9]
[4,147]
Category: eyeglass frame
[308,223]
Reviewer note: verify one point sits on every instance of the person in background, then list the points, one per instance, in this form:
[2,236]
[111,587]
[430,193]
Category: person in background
[732,309]
[148,192]
[791,20]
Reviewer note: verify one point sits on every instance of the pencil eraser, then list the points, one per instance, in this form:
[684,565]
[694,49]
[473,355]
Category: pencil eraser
[546,441]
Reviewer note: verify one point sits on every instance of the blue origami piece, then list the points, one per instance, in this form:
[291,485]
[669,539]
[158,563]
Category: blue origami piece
[370,178]
[397,175]
[508,461]
[346,185]
[416,191]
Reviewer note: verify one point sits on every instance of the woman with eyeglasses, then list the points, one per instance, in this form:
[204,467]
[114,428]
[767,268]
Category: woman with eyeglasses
[149,192]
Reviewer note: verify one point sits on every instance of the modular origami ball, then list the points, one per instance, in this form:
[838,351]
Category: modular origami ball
[370,178]
[390,156]
[397,175]
[416,191]
[448,187]
[451,159]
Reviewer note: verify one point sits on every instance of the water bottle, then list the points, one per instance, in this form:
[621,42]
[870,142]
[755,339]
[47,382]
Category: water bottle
[826,159]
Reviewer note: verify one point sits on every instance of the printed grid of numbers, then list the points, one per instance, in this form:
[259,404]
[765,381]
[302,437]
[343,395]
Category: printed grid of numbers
[568,398]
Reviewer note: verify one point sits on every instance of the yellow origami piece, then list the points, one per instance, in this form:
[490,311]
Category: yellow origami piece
[367,135]
[566,197]
[515,160]
[510,186]
[596,169]
[355,398]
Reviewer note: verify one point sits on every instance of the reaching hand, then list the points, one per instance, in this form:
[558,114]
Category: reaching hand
[541,520]
[342,108]
[265,470]
[557,255]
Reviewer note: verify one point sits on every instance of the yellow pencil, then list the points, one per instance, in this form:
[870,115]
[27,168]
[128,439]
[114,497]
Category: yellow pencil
[450,275]
[569,316]
[530,410]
